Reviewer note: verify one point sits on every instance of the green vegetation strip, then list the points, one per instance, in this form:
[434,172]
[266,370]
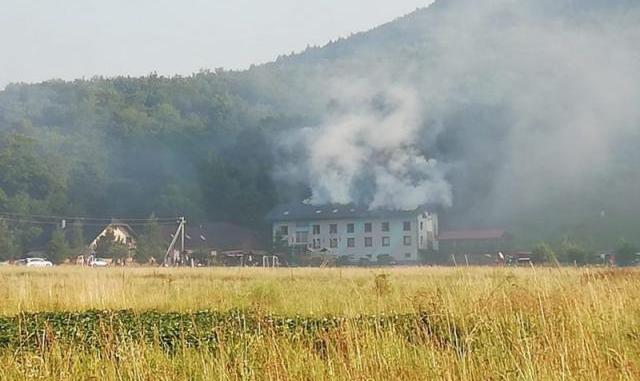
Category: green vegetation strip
[205,329]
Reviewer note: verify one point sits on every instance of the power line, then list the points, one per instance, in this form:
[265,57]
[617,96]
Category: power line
[85,218]
[41,222]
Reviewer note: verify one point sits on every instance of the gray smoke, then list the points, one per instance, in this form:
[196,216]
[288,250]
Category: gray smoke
[504,106]
[366,151]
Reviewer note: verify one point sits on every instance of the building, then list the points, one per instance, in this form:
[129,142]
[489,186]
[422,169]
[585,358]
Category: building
[479,245]
[122,233]
[221,242]
[357,232]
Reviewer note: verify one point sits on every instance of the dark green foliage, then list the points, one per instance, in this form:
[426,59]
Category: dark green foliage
[150,243]
[101,330]
[573,254]
[626,254]
[119,252]
[543,253]
[105,244]
[76,238]
[8,244]
[58,249]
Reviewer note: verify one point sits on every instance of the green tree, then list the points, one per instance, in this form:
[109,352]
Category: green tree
[57,249]
[8,244]
[544,252]
[104,244]
[76,238]
[119,252]
[625,253]
[573,253]
[280,245]
[150,244]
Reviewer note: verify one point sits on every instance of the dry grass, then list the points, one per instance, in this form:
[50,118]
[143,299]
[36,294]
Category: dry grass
[526,324]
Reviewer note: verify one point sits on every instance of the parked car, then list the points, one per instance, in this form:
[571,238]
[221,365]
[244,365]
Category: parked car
[34,262]
[98,262]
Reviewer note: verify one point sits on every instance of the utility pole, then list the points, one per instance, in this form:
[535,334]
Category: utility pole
[168,256]
[183,222]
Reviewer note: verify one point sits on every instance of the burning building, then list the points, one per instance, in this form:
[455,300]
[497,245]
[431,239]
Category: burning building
[356,232]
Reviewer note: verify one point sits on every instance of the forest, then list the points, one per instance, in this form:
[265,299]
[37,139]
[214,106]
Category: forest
[544,161]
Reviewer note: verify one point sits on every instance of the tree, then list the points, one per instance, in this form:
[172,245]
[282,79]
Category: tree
[57,249]
[573,253]
[150,244]
[8,244]
[104,244]
[119,252]
[280,245]
[625,253]
[544,252]
[76,239]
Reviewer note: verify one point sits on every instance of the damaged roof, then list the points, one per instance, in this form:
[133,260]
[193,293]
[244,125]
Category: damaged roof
[304,211]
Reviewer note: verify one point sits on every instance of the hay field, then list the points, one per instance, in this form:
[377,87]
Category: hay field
[415,323]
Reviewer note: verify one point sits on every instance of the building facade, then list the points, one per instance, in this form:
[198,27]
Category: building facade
[356,232]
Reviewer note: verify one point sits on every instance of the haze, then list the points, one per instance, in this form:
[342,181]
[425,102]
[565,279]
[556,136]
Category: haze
[41,40]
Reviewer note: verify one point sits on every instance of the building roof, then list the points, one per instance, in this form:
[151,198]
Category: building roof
[472,234]
[221,236]
[303,211]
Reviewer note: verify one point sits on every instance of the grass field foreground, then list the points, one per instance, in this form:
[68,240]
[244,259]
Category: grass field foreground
[241,323]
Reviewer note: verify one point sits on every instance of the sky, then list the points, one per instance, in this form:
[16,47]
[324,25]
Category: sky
[68,39]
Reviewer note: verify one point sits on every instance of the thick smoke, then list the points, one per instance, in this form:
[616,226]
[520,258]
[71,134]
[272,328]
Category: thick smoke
[366,151]
[509,106]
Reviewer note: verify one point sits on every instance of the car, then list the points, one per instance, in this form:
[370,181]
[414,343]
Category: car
[34,262]
[98,262]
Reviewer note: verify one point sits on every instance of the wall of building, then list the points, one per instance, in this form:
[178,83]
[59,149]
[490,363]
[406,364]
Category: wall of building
[318,235]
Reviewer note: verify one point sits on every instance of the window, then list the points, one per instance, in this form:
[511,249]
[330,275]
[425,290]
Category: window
[421,225]
[302,237]
[407,240]
[316,229]
[316,243]
[333,229]
[407,255]
[421,241]
[368,227]
[351,228]
[386,241]
[284,230]
[368,242]
[333,243]
[406,226]
[351,242]
[385,226]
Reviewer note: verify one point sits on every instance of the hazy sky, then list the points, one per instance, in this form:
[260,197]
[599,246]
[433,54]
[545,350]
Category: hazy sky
[43,39]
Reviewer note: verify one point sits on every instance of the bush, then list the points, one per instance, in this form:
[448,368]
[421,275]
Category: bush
[573,253]
[626,254]
[544,253]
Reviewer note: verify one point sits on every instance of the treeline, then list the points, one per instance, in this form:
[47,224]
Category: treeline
[129,147]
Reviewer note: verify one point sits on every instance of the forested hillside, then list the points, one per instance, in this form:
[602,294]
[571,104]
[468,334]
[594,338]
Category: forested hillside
[528,136]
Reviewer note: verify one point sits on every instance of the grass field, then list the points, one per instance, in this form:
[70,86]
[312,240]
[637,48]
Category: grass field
[333,324]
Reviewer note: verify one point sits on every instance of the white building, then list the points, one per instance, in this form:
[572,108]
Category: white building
[348,230]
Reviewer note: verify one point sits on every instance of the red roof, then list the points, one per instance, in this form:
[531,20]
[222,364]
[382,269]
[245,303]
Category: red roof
[462,235]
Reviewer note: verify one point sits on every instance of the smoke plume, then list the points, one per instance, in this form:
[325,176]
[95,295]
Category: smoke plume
[497,107]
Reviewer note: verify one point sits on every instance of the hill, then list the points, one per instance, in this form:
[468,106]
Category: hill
[516,114]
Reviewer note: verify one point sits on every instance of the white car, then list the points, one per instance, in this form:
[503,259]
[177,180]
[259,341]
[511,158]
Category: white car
[98,262]
[34,262]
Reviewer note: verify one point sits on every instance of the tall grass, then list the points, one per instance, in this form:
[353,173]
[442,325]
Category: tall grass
[482,324]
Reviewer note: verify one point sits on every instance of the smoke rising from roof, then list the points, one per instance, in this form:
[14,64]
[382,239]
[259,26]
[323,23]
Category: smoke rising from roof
[366,153]
[504,106]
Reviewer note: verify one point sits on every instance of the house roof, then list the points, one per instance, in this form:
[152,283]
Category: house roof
[304,211]
[472,234]
[220,236]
